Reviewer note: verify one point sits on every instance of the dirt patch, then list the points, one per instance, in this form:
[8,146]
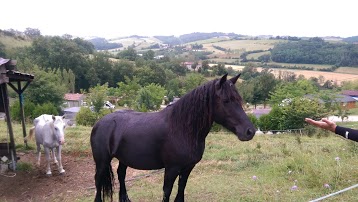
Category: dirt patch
[34,185]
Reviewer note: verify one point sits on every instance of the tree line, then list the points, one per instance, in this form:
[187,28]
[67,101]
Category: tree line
[316,51]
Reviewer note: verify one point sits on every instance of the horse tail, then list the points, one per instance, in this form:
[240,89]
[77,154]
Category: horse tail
[31,132]
[104,178]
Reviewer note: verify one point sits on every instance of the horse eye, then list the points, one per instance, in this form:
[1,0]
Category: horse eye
[226,101]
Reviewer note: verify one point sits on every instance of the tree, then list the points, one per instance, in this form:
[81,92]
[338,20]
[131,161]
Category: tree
[97,96]
[289,90]
[149,55]
[128,91]
[174,88]
[129,54]
[150,97]
[32,32]
[192,81]
[256,91]
[46,87]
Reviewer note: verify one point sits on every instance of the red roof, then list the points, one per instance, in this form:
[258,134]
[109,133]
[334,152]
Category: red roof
[73,96]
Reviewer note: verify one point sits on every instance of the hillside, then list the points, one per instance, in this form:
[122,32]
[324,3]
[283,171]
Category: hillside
[11,40]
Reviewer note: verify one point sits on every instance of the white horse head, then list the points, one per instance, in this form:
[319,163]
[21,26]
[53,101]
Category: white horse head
[59,126]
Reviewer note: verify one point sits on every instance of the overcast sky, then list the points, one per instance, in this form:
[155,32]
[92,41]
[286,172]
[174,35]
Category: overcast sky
[112,18]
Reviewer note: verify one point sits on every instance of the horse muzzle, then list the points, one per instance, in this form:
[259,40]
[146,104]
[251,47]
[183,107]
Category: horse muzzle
[61,142]
[246,135]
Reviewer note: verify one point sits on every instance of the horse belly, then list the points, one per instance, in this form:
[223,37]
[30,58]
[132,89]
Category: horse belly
[142,157]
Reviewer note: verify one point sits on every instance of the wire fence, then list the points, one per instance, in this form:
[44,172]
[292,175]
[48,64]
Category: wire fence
[335,193]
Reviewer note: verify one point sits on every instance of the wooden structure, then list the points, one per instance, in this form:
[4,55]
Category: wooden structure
[9,76]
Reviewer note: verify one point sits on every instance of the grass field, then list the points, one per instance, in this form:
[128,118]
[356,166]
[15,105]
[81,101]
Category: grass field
[256,56]
[244,45]
[11,42]
[264,169]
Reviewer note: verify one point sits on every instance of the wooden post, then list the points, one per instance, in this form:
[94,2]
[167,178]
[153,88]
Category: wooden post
[22,113]
[9,126]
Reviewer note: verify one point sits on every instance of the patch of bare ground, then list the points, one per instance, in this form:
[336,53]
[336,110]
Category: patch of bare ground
[76,183]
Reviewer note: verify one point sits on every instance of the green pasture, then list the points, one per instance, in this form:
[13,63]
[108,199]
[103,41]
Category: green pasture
[228,167]
[247,45]
[208,41]
[225,60]
[11,42]
[256,56]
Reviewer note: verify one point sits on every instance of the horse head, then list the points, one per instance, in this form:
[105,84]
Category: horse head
[228,109]
[59,128]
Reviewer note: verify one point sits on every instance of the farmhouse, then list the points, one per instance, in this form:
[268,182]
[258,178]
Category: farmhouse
[74,99]
[189,65]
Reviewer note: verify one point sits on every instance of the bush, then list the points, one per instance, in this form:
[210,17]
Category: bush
[46,108]
[31,111]
[15,111]
[253,120]
[86,117]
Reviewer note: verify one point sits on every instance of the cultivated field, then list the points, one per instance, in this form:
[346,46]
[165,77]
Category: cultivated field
[285,167]
[333,76]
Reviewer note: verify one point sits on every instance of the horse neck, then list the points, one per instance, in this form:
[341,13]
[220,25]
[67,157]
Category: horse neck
[193,114]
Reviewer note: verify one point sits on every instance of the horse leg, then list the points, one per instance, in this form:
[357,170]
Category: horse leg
[170,174]
[121,171]
[38,154]
[59,164]
[183,178]
[47,155]
[54,156]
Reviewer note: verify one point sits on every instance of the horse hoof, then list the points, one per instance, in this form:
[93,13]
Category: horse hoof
[62,171]
[49,173]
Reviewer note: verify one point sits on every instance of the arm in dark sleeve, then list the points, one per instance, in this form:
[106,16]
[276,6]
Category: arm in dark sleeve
[347,133]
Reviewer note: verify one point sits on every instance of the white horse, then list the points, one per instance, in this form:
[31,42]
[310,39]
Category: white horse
[50,133]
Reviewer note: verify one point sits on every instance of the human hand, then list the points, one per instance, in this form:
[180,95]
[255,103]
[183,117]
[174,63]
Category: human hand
[323,123]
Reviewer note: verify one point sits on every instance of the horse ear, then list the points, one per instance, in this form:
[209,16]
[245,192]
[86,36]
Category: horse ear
[53,117]
[234,79]
[223,79]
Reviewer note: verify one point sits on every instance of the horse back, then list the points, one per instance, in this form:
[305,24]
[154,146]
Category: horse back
[134,138]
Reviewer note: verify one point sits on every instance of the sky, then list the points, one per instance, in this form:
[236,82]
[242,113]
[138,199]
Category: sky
[116,18]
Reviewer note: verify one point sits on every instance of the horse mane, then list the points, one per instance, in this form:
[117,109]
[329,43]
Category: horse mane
[191,115]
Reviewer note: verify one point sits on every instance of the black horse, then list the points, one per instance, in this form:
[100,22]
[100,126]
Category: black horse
[173,138]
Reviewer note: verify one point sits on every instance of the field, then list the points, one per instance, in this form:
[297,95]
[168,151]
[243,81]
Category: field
[285,167]
[333,76]
[11,42]
[243,45]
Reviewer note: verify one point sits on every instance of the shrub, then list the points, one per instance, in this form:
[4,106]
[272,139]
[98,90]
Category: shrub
[15,111]
[46,108]
[86,117]
[253,120]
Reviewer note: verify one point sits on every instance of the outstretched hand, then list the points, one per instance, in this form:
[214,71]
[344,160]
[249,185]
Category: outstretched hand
[323,123]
